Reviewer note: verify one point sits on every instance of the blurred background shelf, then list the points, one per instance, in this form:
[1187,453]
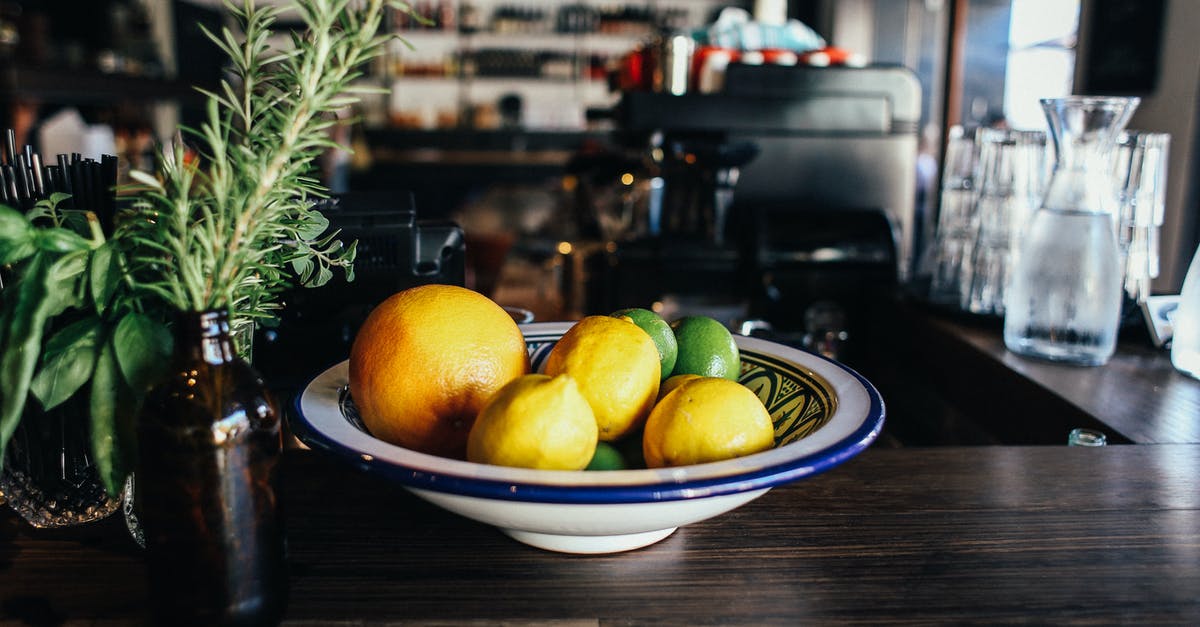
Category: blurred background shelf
[64,86]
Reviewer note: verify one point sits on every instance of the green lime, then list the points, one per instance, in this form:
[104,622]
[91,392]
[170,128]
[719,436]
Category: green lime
[607,457]
[706,348]
[659,331]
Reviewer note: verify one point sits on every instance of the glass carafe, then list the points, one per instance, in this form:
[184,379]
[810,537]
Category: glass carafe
[1064,302]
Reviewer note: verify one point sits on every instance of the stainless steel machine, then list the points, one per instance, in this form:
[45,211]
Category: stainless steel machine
[792,187]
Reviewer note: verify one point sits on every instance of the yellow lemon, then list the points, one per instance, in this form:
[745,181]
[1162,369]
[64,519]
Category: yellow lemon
[535,421]
[706,420]
[617,367]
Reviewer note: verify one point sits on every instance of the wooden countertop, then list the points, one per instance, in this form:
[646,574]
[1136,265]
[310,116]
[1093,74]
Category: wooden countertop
[1049,534]
[1137,397]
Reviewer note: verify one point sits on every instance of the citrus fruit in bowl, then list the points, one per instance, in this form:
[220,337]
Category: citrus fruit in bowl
[535,421]
[427,359]
[706,419]
[659,331]
[822,414]
[705,348]
[617,366]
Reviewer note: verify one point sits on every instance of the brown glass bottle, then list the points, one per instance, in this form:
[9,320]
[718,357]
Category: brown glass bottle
[209,451]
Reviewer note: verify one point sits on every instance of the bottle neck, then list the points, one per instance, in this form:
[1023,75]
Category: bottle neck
[1079,154]
[203,336]
[1081,181]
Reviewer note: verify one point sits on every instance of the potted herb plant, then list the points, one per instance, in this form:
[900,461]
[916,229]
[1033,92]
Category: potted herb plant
[86,315]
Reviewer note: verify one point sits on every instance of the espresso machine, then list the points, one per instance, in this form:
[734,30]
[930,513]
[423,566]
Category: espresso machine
[785,201]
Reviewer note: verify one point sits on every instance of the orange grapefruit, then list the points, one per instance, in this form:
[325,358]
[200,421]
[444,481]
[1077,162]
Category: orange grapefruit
[425,362]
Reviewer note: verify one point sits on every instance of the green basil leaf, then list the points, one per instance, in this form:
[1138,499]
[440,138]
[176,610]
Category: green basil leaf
[142,347]
[105,276]
[16,236]
[68,357]
[59,240]
[61,281]
[25,314]
[41,210]
[77,222]
[113,408]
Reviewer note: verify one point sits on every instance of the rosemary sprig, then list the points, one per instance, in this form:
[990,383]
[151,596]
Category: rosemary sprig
[232,230]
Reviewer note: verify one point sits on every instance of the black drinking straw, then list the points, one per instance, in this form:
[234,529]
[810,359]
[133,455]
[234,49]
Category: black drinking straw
[23,184]
[67,186]
[94,194]
[89,178]
[78,183]
[10,183]
[35,163]
[108,170]
[54,176]
[4,187]
[10,147]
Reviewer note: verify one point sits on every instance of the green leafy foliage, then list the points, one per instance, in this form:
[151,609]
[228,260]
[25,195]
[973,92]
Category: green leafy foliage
[229,225]
[236,231]
[67,309]
[140,346]
[16,236]
[104,276]
[68,359]
[113,405]
[24,317]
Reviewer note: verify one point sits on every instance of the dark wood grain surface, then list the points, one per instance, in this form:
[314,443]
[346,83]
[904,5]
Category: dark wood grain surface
[1137,394]
[924,355]
[1048,535]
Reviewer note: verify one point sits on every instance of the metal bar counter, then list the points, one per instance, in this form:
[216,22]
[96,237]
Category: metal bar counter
[995,534]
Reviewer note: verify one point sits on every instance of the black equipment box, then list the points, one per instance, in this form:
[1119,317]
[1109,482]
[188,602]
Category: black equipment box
[395,251]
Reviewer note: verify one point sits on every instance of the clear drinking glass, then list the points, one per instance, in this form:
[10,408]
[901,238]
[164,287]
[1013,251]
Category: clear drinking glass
[49,476]
[1011,173]
[1139,170]
[1064,302]
[955,236]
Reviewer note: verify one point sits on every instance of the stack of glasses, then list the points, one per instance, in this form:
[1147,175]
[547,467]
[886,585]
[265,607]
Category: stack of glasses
[956,226]
[1140,176]
[1012,177]
[991,185]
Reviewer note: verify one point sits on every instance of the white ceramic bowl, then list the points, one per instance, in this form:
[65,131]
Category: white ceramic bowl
[824,414]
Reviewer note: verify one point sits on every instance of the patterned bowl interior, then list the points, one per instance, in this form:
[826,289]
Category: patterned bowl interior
[799,401]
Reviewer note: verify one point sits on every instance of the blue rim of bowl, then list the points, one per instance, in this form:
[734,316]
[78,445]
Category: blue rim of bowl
[665,484]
